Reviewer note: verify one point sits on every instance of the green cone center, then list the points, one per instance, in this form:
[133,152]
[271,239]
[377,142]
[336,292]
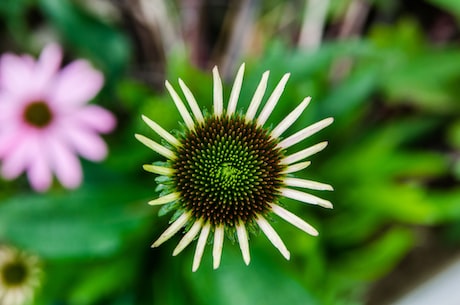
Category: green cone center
[228,174]
[14,273]
[38,114]
[228,170]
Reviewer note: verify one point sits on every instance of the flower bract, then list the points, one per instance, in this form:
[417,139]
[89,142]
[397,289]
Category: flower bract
[45,121]
[226,172]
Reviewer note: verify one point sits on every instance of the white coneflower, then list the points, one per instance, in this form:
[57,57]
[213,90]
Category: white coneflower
[226,172]
[20,275]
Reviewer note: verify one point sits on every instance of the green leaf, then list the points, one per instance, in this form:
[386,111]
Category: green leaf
[89,36]
[451,6]
[102,281]
[93,221]
[378,258]
[263,282]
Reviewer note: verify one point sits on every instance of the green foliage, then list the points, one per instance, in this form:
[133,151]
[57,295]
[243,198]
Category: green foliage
[392,159]
[89,36]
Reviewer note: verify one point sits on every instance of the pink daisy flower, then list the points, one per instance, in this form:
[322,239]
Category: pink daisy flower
[45,122]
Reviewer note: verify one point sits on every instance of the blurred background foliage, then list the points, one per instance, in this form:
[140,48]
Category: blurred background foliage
[389,73]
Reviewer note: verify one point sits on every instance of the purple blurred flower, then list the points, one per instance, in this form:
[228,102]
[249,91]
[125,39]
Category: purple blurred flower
[45,121]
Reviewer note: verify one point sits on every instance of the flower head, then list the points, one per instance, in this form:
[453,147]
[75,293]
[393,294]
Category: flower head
[20,275]
[44,120]
[227,172]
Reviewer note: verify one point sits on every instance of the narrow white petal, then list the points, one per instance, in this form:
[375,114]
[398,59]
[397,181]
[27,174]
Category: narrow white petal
[159,130]
[218,99]
[235,93]
[218,245]
[191,101]
[188,237]
[243,241]
[160,170]
[307,152]
[309,184]
[257,98]
[172,229]
[304,133]
[296,167]
[165,199]
[294,220]
[272,100]
[307,198]
[200,246]
[273,236]
[180,106]
[155,146]
[291,118]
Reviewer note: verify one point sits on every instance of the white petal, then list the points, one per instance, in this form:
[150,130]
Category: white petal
[294,220]
[180,106]
[188,237]
[172,229]
[218,99]
[291,118]
[272,100]
[258,95]
[160,170]
[309,184]
[200,247]
[296,167]
[273,236]
[307,152]
[307,198]
[160,131]
[155,146]
[218,245]
[243,241]
[235,93]
[304,133]
[165,199]
[191,101]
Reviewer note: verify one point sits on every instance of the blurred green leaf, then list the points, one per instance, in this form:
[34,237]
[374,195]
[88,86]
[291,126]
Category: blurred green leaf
[413,72]
[451,6]
[427,80]
[453,135]
[93,221]
[107,46]
[377,258]
[235,284]
[13,13]
[102,281]
[448,205]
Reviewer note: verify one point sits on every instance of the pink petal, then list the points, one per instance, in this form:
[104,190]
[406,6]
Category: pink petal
[47,66]
[88,144]
[5,107]
[16,161]
[15,73]
[65,164]
[76,84]
[39,171]
[96,118]
[10,137]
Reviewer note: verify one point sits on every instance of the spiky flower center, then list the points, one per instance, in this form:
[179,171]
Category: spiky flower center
[38,114]
[14,273]
[228,170]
